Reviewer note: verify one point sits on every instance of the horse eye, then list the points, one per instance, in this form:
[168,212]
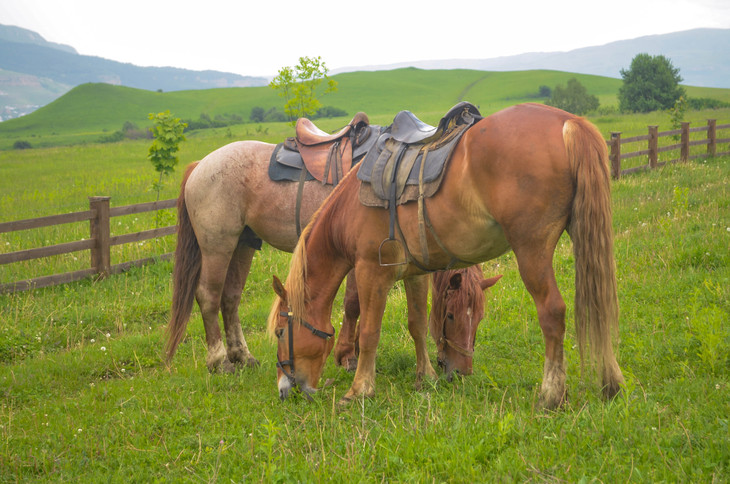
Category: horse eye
[450,316]
[278,332]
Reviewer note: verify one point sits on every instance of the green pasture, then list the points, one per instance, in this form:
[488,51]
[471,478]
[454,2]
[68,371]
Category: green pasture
[91,111]
[85,394]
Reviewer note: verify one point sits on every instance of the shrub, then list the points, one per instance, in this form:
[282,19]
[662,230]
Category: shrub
[22,145]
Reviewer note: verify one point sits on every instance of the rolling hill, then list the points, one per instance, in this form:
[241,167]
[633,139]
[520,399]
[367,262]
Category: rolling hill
[92,111]
[34,72]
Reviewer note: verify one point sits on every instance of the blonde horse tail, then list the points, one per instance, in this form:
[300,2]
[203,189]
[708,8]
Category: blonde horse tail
[186,273]
[591,230]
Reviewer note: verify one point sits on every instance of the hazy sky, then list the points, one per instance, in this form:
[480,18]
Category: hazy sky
[259,37]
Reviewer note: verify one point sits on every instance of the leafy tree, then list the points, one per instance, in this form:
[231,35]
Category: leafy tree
[650,84]
[573,98]
[298,85]
[168,133]
[544,91]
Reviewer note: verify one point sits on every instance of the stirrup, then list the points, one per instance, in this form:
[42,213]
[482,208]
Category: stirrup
[380,253]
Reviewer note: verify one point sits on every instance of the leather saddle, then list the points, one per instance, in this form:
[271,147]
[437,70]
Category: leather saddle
[314,154]
[410,153]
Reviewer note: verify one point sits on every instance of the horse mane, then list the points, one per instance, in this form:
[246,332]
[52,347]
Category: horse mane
[296,287]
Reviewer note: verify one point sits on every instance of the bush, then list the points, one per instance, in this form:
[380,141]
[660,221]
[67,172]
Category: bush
[329,112]
[22,145]
[698,103]
[573,98]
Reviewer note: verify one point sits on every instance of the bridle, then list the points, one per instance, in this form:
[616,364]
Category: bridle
[443,341]
[290,362]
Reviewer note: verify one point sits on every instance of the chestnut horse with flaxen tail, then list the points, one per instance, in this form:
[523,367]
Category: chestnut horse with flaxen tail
[517,180]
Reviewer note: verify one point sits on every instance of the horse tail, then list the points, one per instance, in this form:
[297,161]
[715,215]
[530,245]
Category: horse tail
[186,272]
[591,230]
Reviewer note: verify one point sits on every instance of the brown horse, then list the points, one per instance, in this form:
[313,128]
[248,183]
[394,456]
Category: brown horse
[457,308]
[517,179]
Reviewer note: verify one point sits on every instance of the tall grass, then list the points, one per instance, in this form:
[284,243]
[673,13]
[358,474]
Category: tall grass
[85,395]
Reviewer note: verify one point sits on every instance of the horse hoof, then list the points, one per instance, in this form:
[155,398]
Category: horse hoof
[252,362]
[344,401]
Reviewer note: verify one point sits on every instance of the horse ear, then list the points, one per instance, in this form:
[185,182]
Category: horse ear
[279,288]
[489,282]
[455,281]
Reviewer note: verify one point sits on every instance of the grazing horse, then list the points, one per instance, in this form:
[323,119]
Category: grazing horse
[457,308]
[516,180]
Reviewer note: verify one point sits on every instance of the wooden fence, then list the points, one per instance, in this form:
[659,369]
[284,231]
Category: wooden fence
[99,242]
[99,213]
[653,148]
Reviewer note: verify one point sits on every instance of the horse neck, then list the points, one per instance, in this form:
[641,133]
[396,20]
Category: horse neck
[326,268]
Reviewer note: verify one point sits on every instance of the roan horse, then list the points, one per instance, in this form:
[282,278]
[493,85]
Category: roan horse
[517,179]
[227,204]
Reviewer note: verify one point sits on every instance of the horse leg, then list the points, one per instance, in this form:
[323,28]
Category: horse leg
[346,349]
[535,264]
[417,296]
[238,271]
[210,288]
[372,288]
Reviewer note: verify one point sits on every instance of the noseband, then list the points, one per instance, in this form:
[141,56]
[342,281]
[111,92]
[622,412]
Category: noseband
[444,341]
[290,362]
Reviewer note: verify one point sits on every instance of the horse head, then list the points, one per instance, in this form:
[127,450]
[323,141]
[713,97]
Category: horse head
[458,308]
[302,349]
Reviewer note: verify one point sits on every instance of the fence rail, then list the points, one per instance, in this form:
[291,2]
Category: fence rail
[100,214]
[99,243]
[653,148]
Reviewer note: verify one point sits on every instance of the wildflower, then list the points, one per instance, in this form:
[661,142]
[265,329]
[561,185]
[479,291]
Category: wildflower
[108,335]
[103,348]
[93,340]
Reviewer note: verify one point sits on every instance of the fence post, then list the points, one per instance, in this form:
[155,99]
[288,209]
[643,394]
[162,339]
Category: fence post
[684,151]
[616,154]
[653,146]
[101,234]
[711,137]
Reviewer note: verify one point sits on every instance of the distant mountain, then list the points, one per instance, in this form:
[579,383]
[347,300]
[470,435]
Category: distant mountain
[33,72]
[702,56]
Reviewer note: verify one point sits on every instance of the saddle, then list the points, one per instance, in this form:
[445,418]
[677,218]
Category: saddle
[410,156]
[316,155]
[408,163]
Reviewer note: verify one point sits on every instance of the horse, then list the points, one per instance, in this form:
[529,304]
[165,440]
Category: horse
[517,180]
[457,308]
[227,205]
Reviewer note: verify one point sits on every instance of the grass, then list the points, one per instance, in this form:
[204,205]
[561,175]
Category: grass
[85,394]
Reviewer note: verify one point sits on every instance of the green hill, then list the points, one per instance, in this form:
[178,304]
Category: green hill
[90,111]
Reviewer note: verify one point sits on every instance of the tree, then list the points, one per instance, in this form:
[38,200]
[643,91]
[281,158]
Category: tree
[298,85]
[650,84]
[168,133]
[573,98]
